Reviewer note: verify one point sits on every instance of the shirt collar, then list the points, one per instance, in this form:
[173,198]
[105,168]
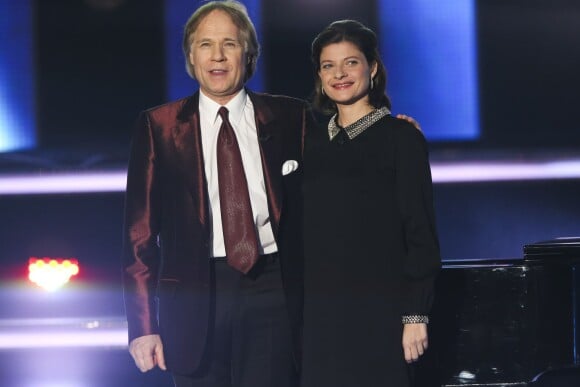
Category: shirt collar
[235,106]
[359,126]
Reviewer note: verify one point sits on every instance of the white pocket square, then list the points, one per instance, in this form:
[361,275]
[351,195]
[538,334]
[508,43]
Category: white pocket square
[289,166]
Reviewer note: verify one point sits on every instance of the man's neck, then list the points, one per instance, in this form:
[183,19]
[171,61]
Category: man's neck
[221,100]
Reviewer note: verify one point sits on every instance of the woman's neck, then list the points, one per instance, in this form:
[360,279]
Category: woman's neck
[348,114]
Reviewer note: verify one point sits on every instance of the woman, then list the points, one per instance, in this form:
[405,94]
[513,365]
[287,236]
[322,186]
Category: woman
[370,241]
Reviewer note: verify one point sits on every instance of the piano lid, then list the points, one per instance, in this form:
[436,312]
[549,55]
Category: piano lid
[555,250]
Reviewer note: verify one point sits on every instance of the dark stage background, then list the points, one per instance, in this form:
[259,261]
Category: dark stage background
[97,67]
[97,63]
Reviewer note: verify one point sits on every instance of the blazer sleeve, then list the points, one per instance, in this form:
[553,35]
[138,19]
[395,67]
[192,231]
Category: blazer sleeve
[415,195]
[141,255]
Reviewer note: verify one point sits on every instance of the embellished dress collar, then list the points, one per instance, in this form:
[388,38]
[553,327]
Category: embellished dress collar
[358,126]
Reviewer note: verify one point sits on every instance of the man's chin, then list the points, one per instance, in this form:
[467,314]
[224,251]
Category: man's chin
[220,94]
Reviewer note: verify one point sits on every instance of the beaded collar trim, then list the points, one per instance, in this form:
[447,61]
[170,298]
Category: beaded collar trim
[358,126]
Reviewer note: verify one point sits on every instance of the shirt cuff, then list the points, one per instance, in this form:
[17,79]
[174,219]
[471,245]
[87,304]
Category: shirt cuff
[415,319]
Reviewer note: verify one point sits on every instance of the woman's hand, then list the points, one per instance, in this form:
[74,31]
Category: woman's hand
[415,341]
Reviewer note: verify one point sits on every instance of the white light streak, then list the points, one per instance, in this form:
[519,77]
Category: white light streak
[505,171]
[47,339]
[443,172]
[61,183]
[61,333]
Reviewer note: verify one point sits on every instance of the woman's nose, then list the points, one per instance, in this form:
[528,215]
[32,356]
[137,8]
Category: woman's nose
[339,73]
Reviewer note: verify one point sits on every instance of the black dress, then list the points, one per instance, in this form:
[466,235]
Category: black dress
[371,252]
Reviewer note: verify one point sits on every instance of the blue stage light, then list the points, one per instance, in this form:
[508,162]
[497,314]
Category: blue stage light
[17,102]
[430,51]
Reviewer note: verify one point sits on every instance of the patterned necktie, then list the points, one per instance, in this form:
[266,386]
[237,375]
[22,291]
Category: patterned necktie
[240,238]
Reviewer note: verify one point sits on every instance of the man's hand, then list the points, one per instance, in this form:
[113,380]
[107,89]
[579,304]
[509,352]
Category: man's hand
[147,351]
[409,119]
[414,341]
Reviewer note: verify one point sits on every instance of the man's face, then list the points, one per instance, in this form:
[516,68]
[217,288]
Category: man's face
[218,57]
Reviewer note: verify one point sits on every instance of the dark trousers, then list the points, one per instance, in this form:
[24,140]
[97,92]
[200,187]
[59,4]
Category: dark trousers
[250,342]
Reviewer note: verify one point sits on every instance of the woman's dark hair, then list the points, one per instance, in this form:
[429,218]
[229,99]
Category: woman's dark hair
[366,41]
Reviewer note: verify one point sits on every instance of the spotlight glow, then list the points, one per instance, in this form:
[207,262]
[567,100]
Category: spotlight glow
[51,274]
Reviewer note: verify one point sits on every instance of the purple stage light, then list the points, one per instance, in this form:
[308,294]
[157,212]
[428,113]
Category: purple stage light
[443,172]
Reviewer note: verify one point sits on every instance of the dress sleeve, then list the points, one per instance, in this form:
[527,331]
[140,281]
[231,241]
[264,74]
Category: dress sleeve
[415,196]
[141,251]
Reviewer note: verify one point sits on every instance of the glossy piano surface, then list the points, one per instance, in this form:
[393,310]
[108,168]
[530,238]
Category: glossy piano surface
[502,322]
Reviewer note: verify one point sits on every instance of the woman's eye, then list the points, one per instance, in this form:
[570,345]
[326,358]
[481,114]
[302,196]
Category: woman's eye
[326,66]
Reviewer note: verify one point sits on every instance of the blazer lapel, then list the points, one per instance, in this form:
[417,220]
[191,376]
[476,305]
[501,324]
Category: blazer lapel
[270,154]
[188,145]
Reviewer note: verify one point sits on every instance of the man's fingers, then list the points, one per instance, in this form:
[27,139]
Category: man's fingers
[409,119]
[143,359]
[147,351]
[148,362]
[160,359]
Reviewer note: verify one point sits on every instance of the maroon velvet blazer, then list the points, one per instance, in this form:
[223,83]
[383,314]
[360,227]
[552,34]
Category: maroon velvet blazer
[166,232]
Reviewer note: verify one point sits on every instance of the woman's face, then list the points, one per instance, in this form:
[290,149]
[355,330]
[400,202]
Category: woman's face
[345,73]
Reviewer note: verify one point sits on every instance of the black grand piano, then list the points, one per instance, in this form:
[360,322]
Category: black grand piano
[503,323]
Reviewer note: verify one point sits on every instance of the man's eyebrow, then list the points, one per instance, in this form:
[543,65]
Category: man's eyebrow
[207,39]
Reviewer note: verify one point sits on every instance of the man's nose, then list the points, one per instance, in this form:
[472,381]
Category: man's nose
[217,53]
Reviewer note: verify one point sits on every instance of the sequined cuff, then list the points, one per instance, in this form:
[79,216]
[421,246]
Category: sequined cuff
[415,319]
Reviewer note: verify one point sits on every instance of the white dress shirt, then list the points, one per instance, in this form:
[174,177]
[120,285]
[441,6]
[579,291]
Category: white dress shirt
[242,118]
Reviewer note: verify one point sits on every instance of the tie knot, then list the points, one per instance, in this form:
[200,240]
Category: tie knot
[223,112]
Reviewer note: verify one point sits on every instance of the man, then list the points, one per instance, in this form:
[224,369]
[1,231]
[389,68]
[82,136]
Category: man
[216,302]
